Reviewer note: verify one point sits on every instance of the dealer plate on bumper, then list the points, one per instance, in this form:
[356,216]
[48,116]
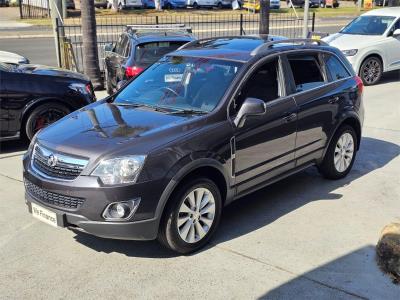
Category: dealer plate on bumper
[44,215]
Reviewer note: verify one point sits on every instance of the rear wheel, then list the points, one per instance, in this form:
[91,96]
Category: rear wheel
[341,153]
[43,116]
[371,70]
[191,216]
[195,5]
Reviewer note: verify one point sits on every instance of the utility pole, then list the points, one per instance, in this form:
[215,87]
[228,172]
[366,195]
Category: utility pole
[305,19]
[264,17]
[89,41]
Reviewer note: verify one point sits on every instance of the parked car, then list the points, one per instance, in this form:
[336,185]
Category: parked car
[33,96]
[101,3]
[202,3]
[70,4]
[12,58]
[371,43]
[171,4]
[124,4]
[139,47]
[295,3]
[317,3]
[5,3]
[381,2]
[207,124]
[331,3]
[255,5]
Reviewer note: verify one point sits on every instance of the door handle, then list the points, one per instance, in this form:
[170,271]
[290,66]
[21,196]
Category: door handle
[290,117]
[334,100]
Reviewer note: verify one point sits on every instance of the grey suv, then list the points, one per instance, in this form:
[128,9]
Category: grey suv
[207,124]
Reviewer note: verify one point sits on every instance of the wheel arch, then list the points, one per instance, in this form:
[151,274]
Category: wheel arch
[372,54]
[206,167]
[31,105]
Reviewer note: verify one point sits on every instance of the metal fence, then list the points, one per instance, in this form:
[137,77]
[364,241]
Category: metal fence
[34,9]
[109,29]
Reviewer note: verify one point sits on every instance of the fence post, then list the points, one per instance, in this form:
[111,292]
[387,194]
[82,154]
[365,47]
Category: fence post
[29,10]
[313,22]
[21,16]
[156,19]
[241,24]
[58,46]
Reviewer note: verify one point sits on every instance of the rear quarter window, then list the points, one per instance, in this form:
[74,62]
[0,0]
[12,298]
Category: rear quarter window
[335,68]
[149,53]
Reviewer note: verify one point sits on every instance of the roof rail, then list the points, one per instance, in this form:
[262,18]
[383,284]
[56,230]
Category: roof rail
[158,27]
[268,45]
[197,42]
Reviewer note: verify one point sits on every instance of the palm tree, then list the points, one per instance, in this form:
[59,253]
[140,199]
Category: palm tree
[89,40]
[264,17]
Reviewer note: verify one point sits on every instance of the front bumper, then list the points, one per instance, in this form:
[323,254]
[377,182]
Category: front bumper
[139,230]
[87,216]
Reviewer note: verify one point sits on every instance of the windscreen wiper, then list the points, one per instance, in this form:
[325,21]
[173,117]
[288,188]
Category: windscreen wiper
[189,112]
[136,104]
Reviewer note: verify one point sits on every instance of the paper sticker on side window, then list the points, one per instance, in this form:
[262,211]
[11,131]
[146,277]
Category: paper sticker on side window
[173,77]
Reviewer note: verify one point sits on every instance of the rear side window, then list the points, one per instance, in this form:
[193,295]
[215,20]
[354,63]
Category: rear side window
[307,72]
[335,68]
[149,53]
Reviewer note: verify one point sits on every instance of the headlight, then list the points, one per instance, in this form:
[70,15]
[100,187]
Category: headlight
[120,170]
[351,52]
[81,88]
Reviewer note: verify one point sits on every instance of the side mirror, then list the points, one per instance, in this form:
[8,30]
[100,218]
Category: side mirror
[121,84]
[396,33]
[109,47]
[250,107]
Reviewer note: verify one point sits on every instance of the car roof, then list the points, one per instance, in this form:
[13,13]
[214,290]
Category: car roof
[242,48]
[161,38]
[391,12]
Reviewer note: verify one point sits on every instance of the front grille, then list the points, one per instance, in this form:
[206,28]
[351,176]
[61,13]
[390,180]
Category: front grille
[56,165]
[53,198]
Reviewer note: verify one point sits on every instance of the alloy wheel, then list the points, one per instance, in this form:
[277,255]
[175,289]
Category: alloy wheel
[196,215]
[344,152]
[371,71]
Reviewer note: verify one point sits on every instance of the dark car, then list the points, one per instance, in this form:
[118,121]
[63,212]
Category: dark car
[317,3]
[34,96]
[139,47]
[207,124]
[298,3]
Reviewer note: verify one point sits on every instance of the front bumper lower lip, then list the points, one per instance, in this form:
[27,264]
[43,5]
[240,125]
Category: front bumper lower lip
[138,230]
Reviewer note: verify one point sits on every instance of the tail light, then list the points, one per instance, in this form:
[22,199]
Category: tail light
[89,89]
[133,71]
[360,84]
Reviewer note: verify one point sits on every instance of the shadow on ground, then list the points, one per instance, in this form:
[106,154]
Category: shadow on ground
[13,146]
[267,205]
[352,276]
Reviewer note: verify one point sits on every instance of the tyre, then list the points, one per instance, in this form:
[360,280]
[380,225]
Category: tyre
[371,70]
[322,5]
[43,116]
[219,5]
[191,217]
[195,5]
[341,153]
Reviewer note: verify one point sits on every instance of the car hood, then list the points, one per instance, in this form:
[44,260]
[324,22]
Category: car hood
[51,71]
[102,128]
[351,41]
[12,58]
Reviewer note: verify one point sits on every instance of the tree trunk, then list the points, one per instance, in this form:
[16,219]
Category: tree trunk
[89,38]
[264,17]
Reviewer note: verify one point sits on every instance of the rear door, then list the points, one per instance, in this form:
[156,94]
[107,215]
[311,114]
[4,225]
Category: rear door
[3,103]
[318,99]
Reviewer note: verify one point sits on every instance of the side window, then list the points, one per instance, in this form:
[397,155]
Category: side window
[263,84]
[335,68]
[395,26]
[307,72]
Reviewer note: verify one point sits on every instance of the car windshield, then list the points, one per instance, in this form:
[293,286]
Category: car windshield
[181,83]
[368,25]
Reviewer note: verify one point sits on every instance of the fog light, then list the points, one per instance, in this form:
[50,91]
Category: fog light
[120,211]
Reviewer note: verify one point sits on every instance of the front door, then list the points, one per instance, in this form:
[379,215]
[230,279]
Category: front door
[265,144]
[392,48]
[3,105]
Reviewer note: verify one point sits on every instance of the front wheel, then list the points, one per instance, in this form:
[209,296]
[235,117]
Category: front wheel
[43,116]
[191,216]
[371,70]
[341,153]
[195,5]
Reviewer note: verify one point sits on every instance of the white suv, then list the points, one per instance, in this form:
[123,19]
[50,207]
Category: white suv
[371,43]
